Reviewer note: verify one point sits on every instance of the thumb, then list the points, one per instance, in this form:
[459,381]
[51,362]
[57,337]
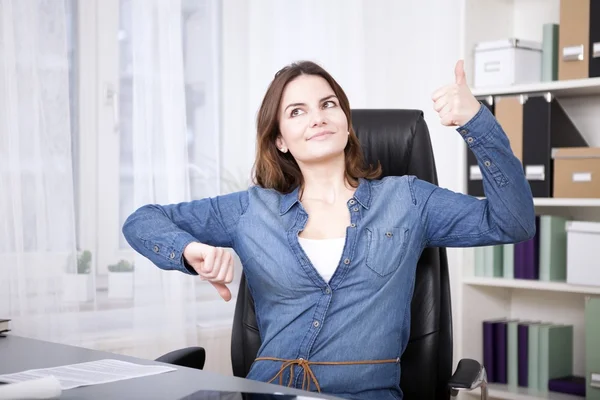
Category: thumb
[223,290]
[459,73]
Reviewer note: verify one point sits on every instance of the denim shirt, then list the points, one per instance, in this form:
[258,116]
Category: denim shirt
[363,312]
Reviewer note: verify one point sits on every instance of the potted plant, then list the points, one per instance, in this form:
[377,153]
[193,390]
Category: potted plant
[78,285]
[120,280]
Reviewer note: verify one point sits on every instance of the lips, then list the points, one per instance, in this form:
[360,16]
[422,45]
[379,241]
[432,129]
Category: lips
[320,134]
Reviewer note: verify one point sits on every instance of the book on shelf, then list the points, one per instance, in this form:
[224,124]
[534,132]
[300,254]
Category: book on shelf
[592,346]
[536,355]
[543,257]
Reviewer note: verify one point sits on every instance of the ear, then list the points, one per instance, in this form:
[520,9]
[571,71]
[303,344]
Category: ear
[280,143]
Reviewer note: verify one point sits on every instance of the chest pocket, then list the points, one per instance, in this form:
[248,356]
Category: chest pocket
[386,249]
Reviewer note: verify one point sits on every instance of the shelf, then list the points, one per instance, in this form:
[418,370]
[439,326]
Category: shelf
[497,391]
[531,285]
[554,202]
[570,88]
[563,202]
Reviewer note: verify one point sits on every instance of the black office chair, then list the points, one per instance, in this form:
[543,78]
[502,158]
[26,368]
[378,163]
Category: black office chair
[400,140]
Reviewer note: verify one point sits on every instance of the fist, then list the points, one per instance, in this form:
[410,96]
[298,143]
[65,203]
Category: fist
[213,264]
[455,103]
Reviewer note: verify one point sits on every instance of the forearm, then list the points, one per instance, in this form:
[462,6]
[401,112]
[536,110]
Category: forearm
[151,233]
[508,194]
[506,215]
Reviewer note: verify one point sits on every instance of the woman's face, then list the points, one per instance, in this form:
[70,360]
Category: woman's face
[313,126]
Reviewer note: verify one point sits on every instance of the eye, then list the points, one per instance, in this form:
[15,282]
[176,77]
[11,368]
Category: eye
[295,112]
[329,104]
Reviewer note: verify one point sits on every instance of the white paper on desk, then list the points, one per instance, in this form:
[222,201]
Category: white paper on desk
[89,373]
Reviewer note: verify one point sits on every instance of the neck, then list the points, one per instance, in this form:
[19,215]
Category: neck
[326,181]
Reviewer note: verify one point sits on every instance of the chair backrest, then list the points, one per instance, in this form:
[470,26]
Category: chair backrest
[400,140]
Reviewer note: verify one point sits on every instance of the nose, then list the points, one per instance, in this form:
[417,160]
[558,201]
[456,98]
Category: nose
[318,118]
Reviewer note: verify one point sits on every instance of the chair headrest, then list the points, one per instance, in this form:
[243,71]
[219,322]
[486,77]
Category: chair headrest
[399,139]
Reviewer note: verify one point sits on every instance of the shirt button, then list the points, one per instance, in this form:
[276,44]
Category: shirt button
[352,201]
[347,261]
[327,290]
[156,249]
[470,140]
[353,225]
[172,255]
[389,234]
[464,132]
[316,324]
[355,209]
[487,163]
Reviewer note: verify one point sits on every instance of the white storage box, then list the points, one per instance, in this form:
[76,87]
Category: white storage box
[507,62]
[583,262]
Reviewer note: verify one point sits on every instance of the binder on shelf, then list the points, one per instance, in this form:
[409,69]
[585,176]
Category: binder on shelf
[491,359]
[546,125]
[492,258]
[579,39]
[523,351]
[592,346]
[553,248]
[479,253]
[512,353]
[508,261]
[500,352]
[555,353]
[594,48]
[527,255]
[550,52]
[573,385]
[534,125]
[533,356]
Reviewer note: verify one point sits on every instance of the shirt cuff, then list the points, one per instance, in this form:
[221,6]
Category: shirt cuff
[180,242]
[478,129]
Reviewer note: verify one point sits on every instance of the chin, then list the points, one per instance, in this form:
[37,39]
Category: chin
[325,156]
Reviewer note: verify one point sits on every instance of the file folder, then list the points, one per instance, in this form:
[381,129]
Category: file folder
[579,39]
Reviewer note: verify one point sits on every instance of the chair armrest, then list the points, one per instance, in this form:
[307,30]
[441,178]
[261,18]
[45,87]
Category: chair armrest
[191,357]
[469,375]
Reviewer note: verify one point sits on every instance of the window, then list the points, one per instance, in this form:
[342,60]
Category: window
[102,40]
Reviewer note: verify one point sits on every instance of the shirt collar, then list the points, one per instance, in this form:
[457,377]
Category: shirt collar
[362,196]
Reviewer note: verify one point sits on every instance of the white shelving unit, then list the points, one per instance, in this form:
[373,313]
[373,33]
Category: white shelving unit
[475,298]
[571,88]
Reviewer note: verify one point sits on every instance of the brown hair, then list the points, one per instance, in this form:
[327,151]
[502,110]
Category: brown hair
[276,170]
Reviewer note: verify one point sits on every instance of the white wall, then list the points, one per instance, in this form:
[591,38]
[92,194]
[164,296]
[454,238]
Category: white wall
[385,54]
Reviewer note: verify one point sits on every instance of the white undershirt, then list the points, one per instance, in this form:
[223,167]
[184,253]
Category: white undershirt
[324,254]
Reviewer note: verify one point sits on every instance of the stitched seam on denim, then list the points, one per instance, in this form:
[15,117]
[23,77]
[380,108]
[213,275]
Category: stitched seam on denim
[234,236]
[459,237]
[256,315]
[351,254]
[497,172]
[218,219]
[403,247]
[425,240]
[311,344]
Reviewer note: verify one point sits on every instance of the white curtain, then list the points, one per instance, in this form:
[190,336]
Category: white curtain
[168,152]
[37,216]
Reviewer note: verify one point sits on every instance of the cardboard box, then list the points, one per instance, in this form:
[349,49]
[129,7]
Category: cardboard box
[576,172]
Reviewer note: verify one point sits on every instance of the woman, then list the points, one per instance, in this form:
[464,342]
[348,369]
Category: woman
[328,249]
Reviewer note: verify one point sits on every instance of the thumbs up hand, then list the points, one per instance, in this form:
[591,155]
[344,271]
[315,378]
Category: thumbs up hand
[455,104]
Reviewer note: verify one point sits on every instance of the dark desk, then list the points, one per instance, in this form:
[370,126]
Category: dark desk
[20,354]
